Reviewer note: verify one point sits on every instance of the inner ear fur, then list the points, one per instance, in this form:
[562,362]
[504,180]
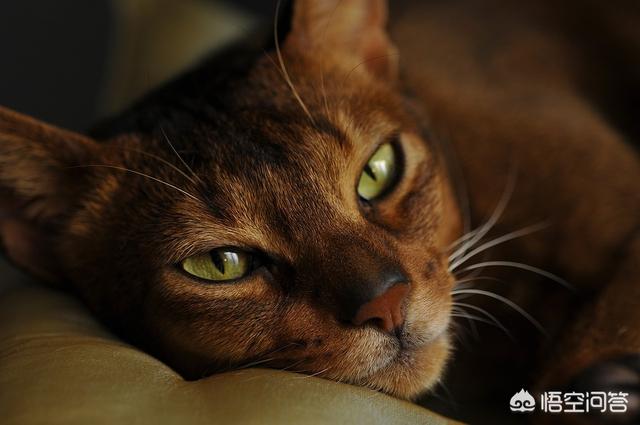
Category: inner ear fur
[38,186]
[351,31]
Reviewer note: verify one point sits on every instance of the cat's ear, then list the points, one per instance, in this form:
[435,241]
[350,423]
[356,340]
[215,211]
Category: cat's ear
[351,31]
[38,184]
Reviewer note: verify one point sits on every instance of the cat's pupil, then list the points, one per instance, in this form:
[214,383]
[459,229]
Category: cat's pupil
[217,260]
[370,173]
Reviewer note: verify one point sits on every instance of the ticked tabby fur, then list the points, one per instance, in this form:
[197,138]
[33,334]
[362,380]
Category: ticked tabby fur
[497,113]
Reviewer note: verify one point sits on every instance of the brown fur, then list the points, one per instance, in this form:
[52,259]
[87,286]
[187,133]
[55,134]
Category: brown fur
[268,150]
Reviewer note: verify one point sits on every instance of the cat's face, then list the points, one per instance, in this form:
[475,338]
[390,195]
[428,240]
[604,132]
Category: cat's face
[261,239]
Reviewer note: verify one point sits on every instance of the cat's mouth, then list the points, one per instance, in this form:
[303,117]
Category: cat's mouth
[409,343]
[413,369]
[414,364]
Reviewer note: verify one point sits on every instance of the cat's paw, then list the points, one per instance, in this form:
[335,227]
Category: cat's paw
[616,376]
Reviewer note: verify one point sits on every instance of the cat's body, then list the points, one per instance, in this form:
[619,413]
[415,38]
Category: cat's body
[262,152]
[517,89]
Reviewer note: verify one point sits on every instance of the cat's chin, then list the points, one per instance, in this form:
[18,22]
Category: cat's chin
[413,371]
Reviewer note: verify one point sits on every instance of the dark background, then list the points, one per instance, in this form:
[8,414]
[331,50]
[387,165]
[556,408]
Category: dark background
[54,56]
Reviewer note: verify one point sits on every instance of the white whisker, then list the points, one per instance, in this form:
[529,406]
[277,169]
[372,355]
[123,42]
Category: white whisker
[142,175]
[493,318]
[461,239]
[177,154]
[270,353]
[522,266]
[472,325]
[497,241]
[506,301]
[472,317]
[324,32]
[493,219]
[283,68]
[314,374]
[477,278]
[256,363]
[294,364]
[164,161]
[324,95]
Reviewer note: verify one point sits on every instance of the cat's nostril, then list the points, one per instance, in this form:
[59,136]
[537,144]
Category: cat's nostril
[384,311]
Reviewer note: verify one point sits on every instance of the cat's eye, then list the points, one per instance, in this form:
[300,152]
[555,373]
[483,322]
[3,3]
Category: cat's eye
[379,173]
[218,265]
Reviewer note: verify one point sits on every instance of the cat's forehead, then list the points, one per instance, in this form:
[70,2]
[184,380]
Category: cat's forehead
[264,124]
[265,155]
[275,168]
[257,143]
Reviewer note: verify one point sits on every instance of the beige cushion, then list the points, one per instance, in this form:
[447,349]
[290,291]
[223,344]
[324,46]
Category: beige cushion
[58,366]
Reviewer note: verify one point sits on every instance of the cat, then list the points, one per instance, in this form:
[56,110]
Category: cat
[307,204]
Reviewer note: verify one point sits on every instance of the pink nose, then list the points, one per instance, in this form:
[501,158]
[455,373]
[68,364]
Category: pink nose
[384,311]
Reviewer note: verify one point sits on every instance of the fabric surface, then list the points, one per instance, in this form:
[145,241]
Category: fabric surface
[58,366]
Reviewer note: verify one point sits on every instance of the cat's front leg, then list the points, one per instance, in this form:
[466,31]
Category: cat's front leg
[600,352]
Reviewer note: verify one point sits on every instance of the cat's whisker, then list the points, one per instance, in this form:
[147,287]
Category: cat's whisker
[477,278]
[493,219]
[490,320]
[311,375]
[459,332]
[164,161]
[283,68]
[461,239]
[324,95]
[456,310]
[164,134]
[364,62]
[294,364]
[491,317]
[496,241]
[473,318]
[114,167]
[256,363]
[466,284]
[522,266]
[452,402]
[472,326]
[507,302]
[324,32]
[278,65]
[261,359]
[471,274]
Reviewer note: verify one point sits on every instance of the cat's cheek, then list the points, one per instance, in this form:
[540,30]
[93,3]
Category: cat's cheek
[196,325]
[428,316]
[451,226]
[428,309]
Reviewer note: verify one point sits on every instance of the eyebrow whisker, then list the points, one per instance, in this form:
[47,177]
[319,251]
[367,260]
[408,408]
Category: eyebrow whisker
[114,167]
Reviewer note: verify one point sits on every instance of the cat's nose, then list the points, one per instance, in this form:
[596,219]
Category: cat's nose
[386,310]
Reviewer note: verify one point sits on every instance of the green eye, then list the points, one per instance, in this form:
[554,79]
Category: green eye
[378,174]
[218,265]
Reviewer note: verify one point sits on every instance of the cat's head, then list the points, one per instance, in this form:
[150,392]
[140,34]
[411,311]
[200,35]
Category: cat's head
[292,213]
